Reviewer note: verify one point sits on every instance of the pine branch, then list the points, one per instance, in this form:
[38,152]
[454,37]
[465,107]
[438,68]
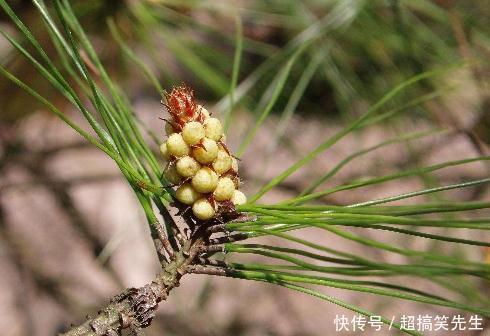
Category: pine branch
[135,308]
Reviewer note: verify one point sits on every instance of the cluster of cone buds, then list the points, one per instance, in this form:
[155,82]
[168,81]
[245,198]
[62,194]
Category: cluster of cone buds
[199,162]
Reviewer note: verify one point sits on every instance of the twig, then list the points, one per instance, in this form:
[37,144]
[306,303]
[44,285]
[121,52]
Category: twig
[229,238]
[210,270]
[164,240]
[216,228]
[212,262]
[211,249]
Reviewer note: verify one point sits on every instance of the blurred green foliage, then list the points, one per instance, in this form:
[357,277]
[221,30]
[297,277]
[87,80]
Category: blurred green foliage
[364,48]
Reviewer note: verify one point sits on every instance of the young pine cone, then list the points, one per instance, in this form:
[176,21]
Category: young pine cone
[199,162]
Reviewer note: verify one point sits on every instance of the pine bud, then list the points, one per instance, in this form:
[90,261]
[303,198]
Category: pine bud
[239,198]
[172,175]
[223,161]
[176,145]
[206,152]
[199,160]
[203,209]
[187,166]
[234,165]
[187,194]
[224,190]
[234,177]
[204,113]
[214,130]
[193,132]
[205,180]
[169,129]
[164,151]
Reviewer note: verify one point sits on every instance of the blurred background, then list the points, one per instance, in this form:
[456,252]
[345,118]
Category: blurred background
[71,231]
